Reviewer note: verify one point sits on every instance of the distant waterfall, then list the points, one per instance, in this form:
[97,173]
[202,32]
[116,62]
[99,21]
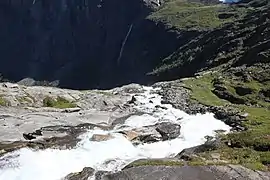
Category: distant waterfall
[124,43]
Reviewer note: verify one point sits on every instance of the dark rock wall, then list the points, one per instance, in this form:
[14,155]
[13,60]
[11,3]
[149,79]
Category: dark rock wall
[79,41]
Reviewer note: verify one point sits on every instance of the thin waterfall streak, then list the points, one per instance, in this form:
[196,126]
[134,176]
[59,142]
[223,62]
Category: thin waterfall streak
[124,43]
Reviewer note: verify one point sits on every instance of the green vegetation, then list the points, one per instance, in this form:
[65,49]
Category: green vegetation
[201,91]
[250,148]
[4,102]
[155,162]
[184,14]
[24,99]
[59,102]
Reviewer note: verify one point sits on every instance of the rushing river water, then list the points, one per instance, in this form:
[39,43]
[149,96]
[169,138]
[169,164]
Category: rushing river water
[113,154]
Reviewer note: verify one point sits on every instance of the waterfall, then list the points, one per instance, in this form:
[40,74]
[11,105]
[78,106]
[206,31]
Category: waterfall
[124,43]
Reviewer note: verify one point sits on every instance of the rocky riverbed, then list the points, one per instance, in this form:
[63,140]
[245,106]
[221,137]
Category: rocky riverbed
[103,133]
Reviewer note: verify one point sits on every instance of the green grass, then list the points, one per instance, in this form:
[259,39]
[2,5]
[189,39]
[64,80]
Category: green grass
[24,99]
[184,14]
[59,102]
[201,90]
[155,162]
[250,148]
[245,156]
[4,102]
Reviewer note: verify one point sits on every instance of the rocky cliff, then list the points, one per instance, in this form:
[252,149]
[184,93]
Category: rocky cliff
[81,43]
[103,44]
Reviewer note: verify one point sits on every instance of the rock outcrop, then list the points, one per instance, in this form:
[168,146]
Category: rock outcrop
[188,173]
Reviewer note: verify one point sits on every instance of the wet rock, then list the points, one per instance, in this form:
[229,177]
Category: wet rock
[133,100]
[38,132]
[168,130]
[130,135]
[188,153]
[29,136]
[71,110]
[83,175]
[147,138]
[161,107]
[99,175]
[101,137]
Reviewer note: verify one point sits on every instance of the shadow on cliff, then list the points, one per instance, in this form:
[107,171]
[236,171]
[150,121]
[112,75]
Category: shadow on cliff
[82,43]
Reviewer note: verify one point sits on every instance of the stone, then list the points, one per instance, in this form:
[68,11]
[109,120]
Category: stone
[215,156]
[161,107]
[160,172]
[101,137]
[168,130]
[130,135]
[189,153]
[28,136]
[85,174]
[133,100]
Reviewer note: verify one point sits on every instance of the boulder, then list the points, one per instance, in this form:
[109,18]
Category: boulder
[130,135]
[147,138]
[188,153]
[162,172]
[85,174]
[101,137]
[168,130]
[133,100]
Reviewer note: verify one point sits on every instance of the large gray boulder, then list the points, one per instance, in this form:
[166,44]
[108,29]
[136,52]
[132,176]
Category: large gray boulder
[168,130]
[229,172]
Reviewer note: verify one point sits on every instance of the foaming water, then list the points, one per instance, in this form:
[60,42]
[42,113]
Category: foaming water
[113,154]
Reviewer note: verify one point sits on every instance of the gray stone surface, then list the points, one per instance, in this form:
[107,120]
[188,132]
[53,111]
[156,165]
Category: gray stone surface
[24,112]
[187,173]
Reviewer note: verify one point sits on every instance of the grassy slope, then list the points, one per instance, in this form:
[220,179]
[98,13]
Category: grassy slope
[183,14]
[252,145]
[214,35]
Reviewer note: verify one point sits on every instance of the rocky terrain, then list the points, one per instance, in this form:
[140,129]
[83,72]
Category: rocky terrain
[214,57]
[60,124]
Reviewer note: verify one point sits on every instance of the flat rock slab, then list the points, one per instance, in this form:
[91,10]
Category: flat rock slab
[187,173]
[16,121]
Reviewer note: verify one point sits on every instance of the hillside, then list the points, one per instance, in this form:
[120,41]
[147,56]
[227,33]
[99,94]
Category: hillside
[88,44]
[230,59]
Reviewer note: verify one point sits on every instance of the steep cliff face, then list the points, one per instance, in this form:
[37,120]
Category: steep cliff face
[104,43]
[81,43]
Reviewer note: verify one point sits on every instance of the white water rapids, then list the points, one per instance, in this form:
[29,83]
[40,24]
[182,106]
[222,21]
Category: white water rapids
[113,154]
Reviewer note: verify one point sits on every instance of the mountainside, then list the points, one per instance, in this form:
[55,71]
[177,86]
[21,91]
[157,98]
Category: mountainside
[242,39]
[83,44]
[103,44]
